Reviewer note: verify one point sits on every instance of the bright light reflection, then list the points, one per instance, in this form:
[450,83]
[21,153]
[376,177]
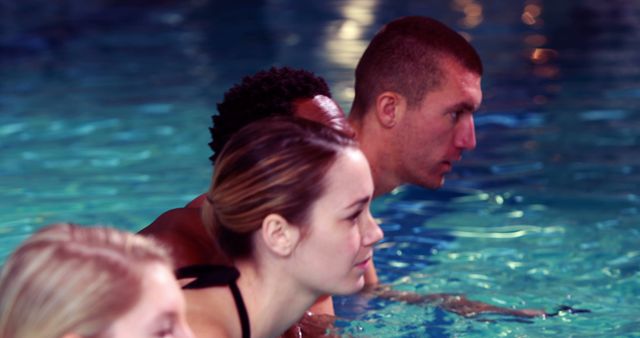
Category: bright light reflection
[361,11]
[514,265]
[515,214]
[345,42]
[535,40]
[472,12]
[534,9]
[531,14]
[543,55]
[509,232]
[350,30]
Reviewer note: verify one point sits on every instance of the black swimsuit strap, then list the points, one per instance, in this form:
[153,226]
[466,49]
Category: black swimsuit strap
[242,310]
[217,275]
[207,275]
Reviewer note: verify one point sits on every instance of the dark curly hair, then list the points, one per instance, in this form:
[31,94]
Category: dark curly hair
[264,94]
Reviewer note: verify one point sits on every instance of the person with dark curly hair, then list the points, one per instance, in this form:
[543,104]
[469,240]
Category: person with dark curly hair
[274,92]
[417,86]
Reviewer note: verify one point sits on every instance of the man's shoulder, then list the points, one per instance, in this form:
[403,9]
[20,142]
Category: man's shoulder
[174,220]
[182,232]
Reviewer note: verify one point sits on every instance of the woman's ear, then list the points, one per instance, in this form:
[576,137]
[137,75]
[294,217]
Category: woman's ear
[279,235]
[390,107]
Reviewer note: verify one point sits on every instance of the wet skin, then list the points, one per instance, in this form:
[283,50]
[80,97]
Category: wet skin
[434,134]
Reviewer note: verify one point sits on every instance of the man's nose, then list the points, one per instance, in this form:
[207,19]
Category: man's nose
[466,134]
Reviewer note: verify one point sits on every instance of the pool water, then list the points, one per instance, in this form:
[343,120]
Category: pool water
[104,109]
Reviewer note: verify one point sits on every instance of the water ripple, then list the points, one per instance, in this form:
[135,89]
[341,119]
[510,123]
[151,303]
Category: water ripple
[507,232]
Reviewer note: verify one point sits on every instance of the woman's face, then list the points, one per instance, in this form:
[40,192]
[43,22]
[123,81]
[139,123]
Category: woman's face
[338,244]
[160,311]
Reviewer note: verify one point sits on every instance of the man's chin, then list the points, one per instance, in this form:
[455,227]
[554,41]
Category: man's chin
[437,185]
[433,184]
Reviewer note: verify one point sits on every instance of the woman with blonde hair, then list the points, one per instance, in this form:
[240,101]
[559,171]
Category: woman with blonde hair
[76,282]
[289,208]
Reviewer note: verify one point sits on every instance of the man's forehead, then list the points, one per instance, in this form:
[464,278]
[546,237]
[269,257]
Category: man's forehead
[324,110]
[465,88]
[317,108]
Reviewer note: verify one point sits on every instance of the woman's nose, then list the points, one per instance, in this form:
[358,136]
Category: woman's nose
[371,232]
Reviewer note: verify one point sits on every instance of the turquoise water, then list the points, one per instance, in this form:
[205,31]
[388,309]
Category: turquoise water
[104,111]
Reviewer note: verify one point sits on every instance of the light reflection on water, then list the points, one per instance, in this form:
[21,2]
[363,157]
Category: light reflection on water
[510,252]
[103,120]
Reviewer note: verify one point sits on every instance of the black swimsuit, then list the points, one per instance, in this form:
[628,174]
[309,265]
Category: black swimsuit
[217,275]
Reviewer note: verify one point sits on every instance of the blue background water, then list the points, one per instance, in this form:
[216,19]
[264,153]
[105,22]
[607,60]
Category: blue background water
[104,109]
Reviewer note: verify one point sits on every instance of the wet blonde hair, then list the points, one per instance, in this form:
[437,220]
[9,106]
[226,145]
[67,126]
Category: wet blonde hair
[273,166]
[72,279]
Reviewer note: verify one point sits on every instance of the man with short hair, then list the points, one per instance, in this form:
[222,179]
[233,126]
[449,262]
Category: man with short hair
[416,89]
[417,86]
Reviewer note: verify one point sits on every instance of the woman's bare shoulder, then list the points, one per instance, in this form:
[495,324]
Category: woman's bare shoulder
[209,330]
[211,312]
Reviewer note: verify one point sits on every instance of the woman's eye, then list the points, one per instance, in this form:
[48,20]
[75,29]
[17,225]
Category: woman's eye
[354,217]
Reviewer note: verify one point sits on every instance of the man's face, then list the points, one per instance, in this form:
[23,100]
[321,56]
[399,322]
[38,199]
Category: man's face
[322,109]
[433,134]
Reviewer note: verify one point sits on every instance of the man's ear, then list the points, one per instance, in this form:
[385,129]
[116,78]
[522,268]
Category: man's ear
[279,235]
[390,107]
